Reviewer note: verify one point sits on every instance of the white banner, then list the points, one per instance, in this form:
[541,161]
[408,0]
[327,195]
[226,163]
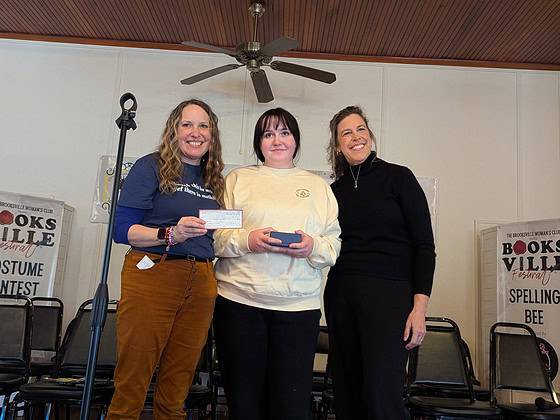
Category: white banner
[528,284]
[30,234]
[104,186]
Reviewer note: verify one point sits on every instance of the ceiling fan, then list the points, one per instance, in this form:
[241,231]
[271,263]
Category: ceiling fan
[253,56]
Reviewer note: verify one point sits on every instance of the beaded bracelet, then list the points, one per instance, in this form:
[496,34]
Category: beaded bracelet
[171,238]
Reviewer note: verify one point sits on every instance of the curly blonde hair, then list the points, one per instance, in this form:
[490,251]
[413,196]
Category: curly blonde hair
[336,159]
[170,163]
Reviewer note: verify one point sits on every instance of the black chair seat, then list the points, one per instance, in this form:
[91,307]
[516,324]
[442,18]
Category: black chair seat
[319,381]
[46,390]
[199,397]
[41,368]
[529,411]
[198,391]
[452,407]
[9,381]
[435,391]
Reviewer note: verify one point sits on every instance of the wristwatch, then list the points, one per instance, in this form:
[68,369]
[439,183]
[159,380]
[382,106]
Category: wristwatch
[161,233]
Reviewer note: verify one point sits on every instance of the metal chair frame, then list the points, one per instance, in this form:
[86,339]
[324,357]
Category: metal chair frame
[517,409]
[18,364]
[52,342]
[453,398]
[70,363]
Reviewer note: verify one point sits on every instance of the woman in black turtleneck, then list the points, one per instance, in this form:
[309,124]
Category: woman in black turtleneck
[377,293]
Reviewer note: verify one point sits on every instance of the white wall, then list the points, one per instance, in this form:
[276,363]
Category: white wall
[491,137]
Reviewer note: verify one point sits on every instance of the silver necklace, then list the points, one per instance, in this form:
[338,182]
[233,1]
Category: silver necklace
[357,176]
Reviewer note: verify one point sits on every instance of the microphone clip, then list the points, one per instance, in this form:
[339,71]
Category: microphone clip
[126,119]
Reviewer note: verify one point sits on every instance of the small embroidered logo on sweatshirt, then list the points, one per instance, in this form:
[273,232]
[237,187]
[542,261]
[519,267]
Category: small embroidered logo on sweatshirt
[303,193]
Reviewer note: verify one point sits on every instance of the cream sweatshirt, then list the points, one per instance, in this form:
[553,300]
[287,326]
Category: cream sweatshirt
[287,200]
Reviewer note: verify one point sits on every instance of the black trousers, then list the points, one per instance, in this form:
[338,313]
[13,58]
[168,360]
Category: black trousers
[266,360]
[366,319]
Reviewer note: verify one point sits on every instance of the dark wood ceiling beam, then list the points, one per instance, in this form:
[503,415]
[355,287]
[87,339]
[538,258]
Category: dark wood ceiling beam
[165,12]
[309,26]
[348,19]
[527,26]
[395,44]
[105,26]
[12,19]
[37,15]
[501,28]
[417,33]
[144,22]
[497,31]
[50,15]
[381,21]
[421,48]
[369,26]
[550,42]
[477,32]
[510,30]
[456,25]
[306,55]
[387,26]
[125,22]
[79,18]
[300,20]
[326,19]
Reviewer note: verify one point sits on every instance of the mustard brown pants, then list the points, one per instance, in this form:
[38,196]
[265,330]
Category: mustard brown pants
[163,318]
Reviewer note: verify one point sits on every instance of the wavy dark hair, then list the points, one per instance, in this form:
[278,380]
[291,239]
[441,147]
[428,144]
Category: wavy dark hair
[275,116]
[336,159]
[170,163]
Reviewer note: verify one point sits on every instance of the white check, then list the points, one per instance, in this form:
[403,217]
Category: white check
[222,219]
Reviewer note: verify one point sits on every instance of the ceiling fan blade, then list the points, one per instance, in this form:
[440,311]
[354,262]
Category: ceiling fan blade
[309,72]
[262,87]
[209,47]
[209,73]
[278,46]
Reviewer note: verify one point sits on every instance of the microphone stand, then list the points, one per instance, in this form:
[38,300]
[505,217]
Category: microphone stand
[101,298]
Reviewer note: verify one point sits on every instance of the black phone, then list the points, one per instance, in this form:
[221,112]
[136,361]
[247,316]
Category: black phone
[286,238]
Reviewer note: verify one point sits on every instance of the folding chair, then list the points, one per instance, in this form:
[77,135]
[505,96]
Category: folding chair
[439,384]
[16,314]
[515,364]
[45,342]
[66,388]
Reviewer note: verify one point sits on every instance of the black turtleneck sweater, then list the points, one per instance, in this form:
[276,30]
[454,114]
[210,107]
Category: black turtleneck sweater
[386,228]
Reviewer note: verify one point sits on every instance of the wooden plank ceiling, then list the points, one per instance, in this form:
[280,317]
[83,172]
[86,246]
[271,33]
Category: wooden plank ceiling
[489,33]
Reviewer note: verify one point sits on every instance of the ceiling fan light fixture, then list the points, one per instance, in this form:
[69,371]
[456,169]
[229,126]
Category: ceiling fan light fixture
[253,56]
[256,9]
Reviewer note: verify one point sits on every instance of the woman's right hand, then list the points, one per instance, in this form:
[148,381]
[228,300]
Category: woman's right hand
[188,227]
[259,241]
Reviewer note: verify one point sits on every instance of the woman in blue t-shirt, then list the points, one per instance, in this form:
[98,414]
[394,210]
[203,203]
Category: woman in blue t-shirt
[168,287]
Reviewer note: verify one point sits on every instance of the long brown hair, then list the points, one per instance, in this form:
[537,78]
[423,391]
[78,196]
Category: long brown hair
[170,163]
[336,159]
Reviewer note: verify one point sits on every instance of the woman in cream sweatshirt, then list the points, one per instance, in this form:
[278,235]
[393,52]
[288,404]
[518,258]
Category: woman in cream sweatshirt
[268,309]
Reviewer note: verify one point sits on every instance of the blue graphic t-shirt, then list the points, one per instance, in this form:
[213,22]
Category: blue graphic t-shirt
[141,191]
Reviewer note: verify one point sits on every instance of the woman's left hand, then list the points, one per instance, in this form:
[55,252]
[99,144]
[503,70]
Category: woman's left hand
[300,249]
[415,327]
